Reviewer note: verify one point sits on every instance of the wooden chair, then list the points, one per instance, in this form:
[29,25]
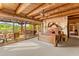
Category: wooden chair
[10,36]
[2,37]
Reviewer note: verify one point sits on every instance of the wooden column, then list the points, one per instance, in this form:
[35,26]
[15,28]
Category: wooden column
[21,28]
[14,30]
[41,30]
[25,31]
[41,27]
[34,28]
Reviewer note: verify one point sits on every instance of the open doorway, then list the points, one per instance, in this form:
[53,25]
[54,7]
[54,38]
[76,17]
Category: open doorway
[73,26]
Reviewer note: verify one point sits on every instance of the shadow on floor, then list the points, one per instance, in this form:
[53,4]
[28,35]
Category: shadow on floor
[72,42]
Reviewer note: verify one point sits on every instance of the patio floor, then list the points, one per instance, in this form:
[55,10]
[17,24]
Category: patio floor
[34,47]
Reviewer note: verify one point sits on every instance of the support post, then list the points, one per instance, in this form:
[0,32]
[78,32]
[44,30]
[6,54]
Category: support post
[14,30]
[21,28]
[25,30]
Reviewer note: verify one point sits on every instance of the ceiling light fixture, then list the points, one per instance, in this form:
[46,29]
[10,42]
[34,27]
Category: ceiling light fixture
[42,14]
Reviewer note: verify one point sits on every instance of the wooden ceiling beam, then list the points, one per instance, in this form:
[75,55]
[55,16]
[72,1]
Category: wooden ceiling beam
[35,9]
[22,7]
[76,15]
[20,18]
[73,17]
[52,10]
[67,13]
[44,7]
[1,6]
[61,9]
[14,14]
[18,7]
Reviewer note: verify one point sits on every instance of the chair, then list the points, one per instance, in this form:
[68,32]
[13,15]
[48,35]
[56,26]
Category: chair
[10,36]
[2,37]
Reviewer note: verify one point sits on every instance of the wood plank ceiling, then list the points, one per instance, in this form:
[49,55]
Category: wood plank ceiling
[36,12]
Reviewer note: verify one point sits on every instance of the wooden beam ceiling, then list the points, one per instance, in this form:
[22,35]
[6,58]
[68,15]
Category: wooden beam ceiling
[76,15]
[22,7]
[73,17]
[67,13]
[62,9]
[32,10]
[45,7]
[10,6]
[14,17]
[0,5]
[9,11]
[35,9]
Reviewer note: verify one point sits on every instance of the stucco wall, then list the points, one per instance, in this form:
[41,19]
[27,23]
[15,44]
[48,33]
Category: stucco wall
[61,21]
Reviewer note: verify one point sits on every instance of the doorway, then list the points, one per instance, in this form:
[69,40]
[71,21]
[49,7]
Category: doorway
[73,26]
